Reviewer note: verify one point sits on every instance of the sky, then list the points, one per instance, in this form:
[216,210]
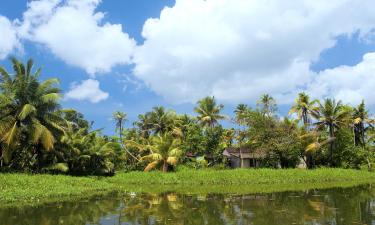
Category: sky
[131,55]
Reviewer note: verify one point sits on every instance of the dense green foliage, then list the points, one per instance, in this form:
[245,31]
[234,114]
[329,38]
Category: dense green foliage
[37,135]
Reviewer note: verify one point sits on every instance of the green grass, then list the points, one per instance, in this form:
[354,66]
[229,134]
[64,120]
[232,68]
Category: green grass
[23,189]
[242,177]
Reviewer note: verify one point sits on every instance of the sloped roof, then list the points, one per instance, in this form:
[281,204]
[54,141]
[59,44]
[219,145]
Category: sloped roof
[243,152]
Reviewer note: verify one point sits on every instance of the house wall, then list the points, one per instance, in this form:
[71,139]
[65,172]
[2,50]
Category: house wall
[234,162]
[245,163]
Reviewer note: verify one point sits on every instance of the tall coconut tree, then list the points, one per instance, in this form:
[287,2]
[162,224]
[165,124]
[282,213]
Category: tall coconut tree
[361,123]
[303,108]
[29,110]
[240,113]
[267,105]
[331,115]
[240,118]
[362,127]
[120,119]
[209,112]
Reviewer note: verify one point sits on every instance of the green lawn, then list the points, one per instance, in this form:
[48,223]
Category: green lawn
[23,189]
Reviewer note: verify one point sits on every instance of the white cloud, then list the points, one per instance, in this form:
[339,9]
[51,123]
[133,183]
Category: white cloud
[74,32]
[8,37]
[238,50]
[87,90]
[348,83]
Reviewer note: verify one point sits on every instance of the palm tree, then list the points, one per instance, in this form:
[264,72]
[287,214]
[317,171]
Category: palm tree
[331,115]
[362,123]
[240,118]
[240,113]
[209,112]
[119,118]
[360,119]
[182,127]
[267,104]
[303,107]
[29,109]
[144,125]
[163,150]
[162,121]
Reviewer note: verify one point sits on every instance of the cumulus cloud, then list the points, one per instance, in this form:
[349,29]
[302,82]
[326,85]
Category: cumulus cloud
[74,32]
[348,83]
[8,37]
[87,90]
[238,50]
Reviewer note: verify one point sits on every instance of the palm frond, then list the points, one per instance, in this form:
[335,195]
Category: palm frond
[151,166]
[172,160]
[26,111]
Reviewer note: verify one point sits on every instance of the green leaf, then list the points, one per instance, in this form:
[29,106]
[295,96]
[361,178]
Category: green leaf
[26,111]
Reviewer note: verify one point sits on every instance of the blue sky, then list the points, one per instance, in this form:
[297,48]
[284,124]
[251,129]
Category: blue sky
[234,50]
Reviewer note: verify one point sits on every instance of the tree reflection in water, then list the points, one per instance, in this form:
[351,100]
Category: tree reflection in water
[333,206]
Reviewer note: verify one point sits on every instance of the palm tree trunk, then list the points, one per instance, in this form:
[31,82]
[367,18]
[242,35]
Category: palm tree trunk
[165,166]
[309,161]
[363,135]
[120,131]
[331,135]
[122,143]
[304,117]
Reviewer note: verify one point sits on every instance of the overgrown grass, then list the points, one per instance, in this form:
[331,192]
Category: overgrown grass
[242,177]
[22,189]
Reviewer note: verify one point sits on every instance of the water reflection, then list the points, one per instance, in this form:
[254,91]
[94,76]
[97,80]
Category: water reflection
[333,206]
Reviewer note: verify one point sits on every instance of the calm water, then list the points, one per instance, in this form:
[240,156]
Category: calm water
[333,206]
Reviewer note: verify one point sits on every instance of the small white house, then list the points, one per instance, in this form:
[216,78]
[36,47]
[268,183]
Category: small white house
[243,157]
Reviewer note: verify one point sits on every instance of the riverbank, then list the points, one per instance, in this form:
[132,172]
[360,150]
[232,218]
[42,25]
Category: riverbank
[23,189]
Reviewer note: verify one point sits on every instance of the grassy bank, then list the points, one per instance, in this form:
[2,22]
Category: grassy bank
[22,189]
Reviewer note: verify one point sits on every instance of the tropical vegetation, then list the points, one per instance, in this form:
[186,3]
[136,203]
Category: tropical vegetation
[37,135]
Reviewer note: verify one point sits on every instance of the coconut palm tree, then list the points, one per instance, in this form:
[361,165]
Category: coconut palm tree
[209,112]
[144,125]
[119,118]
[163,150]
[240,113]
[240,118]
[162,121]
[331,115]
[29,111]
[267,104]
[303,107]
[361,123]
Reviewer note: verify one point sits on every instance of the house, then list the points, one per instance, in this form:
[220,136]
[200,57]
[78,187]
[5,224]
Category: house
[243,157]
